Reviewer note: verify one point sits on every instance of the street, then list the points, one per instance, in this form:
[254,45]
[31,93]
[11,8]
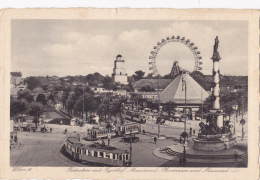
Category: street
[43,149]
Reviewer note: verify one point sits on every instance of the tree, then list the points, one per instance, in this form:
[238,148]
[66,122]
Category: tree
[116,106]
[147,88]
[41,98]
[26,95]
[45,87]
[228,107]
[108,83]
[169,107]
[168,76]
[149,76]
[101,111]
[19,106]
[138,75]
[203,80]
[33,82]
[36,110]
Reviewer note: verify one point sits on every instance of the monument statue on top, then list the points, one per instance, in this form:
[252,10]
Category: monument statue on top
[216,45]
[215,50]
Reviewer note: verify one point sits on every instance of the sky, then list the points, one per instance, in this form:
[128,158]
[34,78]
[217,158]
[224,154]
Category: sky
[80,47]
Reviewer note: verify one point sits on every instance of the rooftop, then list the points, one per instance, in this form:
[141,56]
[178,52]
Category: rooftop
[154,83]
[16,74]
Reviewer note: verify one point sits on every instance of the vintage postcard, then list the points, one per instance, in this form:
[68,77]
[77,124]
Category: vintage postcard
[129,94]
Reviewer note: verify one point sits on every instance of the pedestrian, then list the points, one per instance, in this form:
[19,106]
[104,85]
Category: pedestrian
[143,132]
[108,139]
[236,155]
[155,139]
[194,132]
[103,143]
[50,129]
[180,140]
[180,161]
[190,133]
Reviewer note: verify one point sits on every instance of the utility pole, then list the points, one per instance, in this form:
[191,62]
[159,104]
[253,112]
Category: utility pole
[109,118]
[83,103]
[130,146]
[159,112]
[201,106]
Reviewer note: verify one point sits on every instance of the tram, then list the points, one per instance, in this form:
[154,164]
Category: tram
[136,116]
[95,153]
[121,130]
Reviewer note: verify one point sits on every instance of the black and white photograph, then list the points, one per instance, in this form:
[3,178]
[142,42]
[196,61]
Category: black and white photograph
[129,93]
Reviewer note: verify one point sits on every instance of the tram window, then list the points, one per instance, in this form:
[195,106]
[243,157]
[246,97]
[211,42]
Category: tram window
[95,153]
[108,155]
[114,156]
[120,157]
[88,153]
[101,154]
[126,158]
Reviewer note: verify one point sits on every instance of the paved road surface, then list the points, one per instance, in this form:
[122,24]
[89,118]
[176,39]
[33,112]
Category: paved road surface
[39,149]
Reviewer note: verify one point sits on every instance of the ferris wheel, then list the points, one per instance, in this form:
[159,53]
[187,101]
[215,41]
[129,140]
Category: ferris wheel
[188,43]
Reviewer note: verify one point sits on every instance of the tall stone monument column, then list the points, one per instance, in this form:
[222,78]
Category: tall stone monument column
[215,85]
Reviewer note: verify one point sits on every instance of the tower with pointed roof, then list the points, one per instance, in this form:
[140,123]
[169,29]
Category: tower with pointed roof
[119,72]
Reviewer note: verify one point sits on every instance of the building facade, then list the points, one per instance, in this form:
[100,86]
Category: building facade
[119,72]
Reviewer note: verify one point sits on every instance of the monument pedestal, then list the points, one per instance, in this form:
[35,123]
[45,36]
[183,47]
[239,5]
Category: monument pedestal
[214,142]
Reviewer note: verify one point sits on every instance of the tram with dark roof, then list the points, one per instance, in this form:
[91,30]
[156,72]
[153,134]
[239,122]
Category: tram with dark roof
[136,116]
[120,130]
[96,154]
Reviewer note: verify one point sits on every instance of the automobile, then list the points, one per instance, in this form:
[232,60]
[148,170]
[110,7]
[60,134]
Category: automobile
[31,127]
[25,127]
[46,129]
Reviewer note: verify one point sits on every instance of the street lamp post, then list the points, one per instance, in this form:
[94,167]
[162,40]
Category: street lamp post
[235,116]
[184,146]
[130,146]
